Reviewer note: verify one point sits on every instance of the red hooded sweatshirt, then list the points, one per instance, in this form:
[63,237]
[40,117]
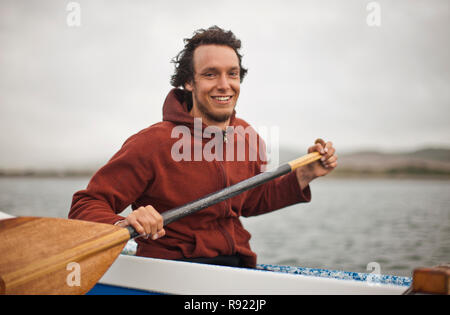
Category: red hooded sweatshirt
[144,172]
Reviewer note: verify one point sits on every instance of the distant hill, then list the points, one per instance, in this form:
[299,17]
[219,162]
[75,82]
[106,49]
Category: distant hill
[429,162]
[426,158]
[426,162]
[433,154]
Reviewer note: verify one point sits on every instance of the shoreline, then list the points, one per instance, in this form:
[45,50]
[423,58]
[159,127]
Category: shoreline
[337,174]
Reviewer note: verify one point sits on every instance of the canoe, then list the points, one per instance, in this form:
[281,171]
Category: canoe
[130,274]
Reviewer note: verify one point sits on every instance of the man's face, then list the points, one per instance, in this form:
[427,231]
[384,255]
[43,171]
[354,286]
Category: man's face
[216,85]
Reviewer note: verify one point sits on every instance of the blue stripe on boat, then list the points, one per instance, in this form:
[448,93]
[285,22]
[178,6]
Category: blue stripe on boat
[337,274]
[104,289]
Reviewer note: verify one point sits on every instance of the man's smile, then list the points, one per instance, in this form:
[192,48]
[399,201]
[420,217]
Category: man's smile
[222,99]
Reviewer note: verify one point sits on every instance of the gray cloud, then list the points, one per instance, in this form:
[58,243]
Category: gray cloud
[71,96]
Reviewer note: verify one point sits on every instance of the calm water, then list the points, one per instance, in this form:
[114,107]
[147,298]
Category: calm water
[399,224]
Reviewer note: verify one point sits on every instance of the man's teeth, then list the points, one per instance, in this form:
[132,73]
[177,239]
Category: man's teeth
[222,98]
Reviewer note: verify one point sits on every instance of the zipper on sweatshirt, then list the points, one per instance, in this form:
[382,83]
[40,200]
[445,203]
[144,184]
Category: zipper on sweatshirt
[225,233]
[224,133]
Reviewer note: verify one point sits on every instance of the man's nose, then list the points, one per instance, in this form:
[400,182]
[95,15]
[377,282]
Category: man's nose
[223,83]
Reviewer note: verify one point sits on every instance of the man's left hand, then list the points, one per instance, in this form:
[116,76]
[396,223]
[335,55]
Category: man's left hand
[322,167]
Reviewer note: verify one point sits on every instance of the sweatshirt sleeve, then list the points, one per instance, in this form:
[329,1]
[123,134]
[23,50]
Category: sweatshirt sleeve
[116,185]
[278,193]
[275,194]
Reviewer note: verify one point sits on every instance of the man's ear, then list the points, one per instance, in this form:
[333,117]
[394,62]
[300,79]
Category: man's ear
[189,86]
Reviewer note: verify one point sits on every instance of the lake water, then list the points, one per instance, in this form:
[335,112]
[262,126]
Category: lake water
[398,224]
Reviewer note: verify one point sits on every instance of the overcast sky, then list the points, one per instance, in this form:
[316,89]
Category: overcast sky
[70,96]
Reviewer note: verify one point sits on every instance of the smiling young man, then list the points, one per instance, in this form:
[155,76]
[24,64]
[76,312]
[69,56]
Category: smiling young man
[144,173]
[215,86]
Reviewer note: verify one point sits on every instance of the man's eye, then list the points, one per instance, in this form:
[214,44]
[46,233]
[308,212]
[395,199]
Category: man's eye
[234,74]
[209,75]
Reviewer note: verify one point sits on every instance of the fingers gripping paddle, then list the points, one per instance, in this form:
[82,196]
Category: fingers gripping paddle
[61,256]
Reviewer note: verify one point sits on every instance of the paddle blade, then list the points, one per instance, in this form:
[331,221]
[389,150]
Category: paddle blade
[56,256]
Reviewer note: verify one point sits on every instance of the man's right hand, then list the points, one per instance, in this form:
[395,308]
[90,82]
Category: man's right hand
[146,221]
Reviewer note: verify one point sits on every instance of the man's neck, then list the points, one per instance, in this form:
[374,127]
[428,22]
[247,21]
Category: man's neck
[207,121]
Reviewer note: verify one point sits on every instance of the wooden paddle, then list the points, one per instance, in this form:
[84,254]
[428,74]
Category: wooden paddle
[62,256]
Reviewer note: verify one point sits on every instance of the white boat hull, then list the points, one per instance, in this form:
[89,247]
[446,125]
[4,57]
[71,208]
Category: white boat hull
[174,277]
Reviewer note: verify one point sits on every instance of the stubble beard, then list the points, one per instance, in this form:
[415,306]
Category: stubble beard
[208,114]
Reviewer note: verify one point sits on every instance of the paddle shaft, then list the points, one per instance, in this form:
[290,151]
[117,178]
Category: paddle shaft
[231,191]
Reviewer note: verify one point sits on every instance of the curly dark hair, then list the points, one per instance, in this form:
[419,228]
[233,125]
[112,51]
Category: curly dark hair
[184,66]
